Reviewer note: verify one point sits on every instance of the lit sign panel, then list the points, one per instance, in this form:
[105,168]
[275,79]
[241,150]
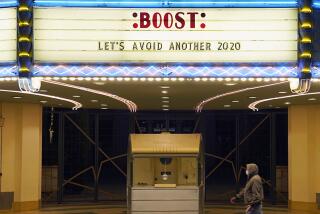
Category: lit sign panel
[104,35]
[8,35]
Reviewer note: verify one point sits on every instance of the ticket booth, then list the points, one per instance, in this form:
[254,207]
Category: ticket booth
[165,174]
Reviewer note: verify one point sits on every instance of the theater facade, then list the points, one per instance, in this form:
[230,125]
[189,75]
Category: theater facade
[78,77]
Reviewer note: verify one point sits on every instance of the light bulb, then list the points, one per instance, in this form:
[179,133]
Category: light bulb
[165,176]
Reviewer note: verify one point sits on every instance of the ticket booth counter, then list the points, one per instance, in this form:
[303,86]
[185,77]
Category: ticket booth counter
[165,174]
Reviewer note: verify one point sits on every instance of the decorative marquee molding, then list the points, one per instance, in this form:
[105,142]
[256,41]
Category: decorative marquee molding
[169,71]
[8,71]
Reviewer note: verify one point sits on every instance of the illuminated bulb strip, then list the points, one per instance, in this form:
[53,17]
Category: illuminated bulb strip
[131,105]
[76,104]
[159,79]
[253,105]
[200,106]
[157,71]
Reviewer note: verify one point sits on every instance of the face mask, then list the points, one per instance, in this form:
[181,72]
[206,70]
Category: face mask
[247,172]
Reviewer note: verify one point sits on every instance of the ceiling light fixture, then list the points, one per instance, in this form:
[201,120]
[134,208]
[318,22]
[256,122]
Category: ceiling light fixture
[76,96]
[282,92]
[312,99]
[165,97]
[43,101]
[99,83]
[131,105]
[230,84]
[77,105]
[253,106]
[235,101]
[200,106]
[164,87]
[164,92]
[94,101]
[16,97]
[227,106]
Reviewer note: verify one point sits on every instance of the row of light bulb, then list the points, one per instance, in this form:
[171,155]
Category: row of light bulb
[159,79]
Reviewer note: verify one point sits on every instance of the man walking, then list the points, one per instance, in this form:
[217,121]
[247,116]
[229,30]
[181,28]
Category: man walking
[253,191]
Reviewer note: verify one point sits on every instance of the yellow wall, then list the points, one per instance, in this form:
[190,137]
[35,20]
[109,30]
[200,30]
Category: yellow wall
[21,162]
[304,153]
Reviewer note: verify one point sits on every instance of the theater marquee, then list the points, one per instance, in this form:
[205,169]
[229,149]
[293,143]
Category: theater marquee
[8,35]
[94,35]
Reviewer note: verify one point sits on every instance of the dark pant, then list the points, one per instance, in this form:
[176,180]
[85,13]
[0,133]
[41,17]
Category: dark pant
[255,209]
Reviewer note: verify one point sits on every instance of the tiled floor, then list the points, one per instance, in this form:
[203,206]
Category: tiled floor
[101,209]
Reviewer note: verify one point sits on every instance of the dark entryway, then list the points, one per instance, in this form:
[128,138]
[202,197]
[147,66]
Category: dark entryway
[85,160]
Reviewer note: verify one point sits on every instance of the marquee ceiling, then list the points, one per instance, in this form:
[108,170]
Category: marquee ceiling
[152,95]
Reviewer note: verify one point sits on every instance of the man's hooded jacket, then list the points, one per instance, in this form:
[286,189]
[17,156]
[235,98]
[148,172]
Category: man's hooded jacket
[253,191]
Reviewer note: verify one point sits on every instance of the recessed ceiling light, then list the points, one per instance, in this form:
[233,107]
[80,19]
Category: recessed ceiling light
[43,101]
[165,109]
[165,98]
[165,106]
[227,106]
[282,92]
[165,101]
[99,83]
[165,87]
[103,104]
[252,97]
[230,84]
[104,108]
[43,91]
[287,103]
[235,101]
[60,104]
[164,92]
[76,96]
[16,97]
[312,99]
[94,101]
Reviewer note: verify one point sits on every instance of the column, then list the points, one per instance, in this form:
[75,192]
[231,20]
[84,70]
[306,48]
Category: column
[21,157]
[304,156]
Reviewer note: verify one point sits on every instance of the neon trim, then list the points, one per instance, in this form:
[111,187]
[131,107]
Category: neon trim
[167,71]
[8,3]
[167,3]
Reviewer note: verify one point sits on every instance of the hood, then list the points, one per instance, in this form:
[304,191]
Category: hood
[252,169]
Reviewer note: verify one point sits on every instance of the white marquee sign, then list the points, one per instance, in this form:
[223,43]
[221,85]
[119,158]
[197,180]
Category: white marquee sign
[101,35]
[8,35]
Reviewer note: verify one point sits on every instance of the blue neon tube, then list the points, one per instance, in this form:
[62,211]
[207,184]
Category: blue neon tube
[170,3]
[8,3]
